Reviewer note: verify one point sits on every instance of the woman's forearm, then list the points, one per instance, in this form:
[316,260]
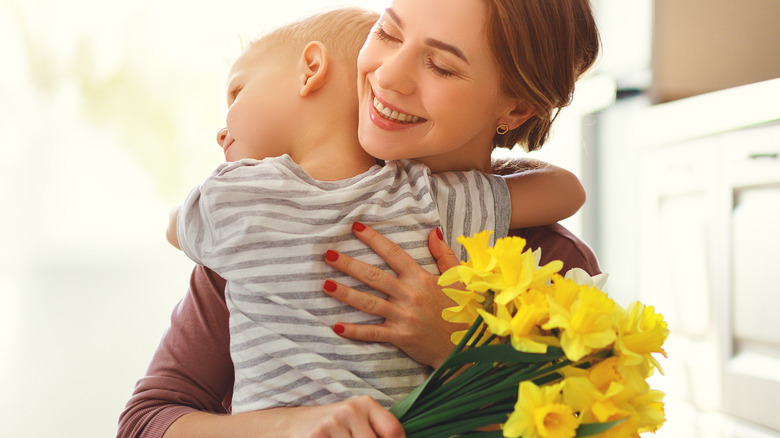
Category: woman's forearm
[191,369]
[269,424]
[358,417]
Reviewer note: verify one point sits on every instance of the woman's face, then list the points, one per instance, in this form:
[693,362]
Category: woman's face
[429,86]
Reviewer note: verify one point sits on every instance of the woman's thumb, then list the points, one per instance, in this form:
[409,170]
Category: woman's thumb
[444,255]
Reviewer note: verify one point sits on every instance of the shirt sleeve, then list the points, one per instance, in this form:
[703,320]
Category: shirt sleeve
[214,198]
[470,202]
[194,225]
[191,369]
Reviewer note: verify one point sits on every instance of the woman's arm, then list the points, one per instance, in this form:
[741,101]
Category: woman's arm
[355,417]
[543,194]
[188,386]
[191,368]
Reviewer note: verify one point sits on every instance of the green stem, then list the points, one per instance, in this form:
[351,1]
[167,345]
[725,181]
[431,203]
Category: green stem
[453,388]
[458,426]
[452,413]
[455,404]
[484,376]
[463,342]
[478,399]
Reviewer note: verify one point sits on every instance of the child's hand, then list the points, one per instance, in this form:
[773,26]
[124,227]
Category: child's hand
[171,233]
[412,311]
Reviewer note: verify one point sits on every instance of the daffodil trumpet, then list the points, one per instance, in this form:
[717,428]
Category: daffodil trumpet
[545,356]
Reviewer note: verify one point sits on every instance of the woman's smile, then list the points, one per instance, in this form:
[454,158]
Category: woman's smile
[387,116]
[394,115]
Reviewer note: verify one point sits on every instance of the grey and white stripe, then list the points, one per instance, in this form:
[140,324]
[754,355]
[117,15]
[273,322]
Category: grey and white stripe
[265,226]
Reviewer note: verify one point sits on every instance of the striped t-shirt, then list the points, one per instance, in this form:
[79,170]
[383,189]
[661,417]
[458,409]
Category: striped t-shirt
[265,226]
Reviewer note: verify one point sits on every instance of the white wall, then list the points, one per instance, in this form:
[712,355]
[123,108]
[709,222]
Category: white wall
[108,114]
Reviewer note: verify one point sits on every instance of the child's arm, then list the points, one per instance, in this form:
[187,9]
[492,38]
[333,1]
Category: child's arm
[543,194]
[171,232]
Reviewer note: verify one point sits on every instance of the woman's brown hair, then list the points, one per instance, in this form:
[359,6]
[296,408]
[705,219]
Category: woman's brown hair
[542,47]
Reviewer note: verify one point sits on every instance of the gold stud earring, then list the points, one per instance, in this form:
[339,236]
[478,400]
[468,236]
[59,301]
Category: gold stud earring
[502,129]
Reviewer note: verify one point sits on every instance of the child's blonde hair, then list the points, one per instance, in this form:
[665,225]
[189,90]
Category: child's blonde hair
[343,32]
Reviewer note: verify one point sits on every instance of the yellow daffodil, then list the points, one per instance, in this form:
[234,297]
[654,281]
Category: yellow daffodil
[641,332]
[541,413]
[479,265]
[532,310]
[594,405]
[586,326]
[594,393]
[613,391]
[640,413]
[468,302]
[563,291]
[500,323]
[517,268]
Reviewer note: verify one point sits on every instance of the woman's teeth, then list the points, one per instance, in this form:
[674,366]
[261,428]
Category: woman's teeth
[394,115]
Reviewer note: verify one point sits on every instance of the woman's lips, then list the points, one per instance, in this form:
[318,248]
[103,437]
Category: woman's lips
[387,117]
[392,114]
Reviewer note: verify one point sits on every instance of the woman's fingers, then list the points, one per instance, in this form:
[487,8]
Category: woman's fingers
[369,275]
[384,423]
[412,311]
[362,301]
[353,418]
[444,255]
[394,255]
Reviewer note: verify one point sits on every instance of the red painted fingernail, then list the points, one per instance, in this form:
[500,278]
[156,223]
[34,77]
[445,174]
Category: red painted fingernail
[329,286]
[357,226]
[438,233]
[338,328]
[331,256]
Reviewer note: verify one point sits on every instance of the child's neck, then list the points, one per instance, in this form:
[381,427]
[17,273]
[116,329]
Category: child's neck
[333,159]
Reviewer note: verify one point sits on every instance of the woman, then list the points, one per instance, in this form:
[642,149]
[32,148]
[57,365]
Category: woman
[459,70]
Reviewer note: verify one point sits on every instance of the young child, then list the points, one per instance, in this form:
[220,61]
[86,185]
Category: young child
[295,182]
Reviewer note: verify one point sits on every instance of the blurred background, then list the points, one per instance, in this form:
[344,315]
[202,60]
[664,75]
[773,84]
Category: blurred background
[108,116]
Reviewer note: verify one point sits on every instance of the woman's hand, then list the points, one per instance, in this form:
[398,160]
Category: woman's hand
[357,417]
[412,311]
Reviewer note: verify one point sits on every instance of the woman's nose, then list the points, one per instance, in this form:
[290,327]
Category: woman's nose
[221,135]
[397,72]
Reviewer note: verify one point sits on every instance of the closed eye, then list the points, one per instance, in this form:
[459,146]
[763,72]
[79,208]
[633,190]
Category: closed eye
[234,93]
[382,35]
[438,70]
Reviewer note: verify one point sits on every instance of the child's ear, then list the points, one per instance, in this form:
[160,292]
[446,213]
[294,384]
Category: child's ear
[516,114]
[313,66]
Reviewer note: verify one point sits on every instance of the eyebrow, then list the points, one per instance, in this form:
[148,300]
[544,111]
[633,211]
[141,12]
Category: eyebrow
[438,44]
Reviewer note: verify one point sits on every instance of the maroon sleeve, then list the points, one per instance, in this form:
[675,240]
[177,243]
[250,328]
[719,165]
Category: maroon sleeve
[558,243]
[191,369]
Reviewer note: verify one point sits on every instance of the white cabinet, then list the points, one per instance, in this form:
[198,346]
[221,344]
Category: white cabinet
[706,228]
[710,262]
[751,375]
[678,254]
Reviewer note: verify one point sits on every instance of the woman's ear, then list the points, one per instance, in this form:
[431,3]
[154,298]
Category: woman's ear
[313,67]
[517,113]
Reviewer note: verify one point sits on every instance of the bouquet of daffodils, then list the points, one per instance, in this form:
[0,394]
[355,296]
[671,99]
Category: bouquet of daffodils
[546,355]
